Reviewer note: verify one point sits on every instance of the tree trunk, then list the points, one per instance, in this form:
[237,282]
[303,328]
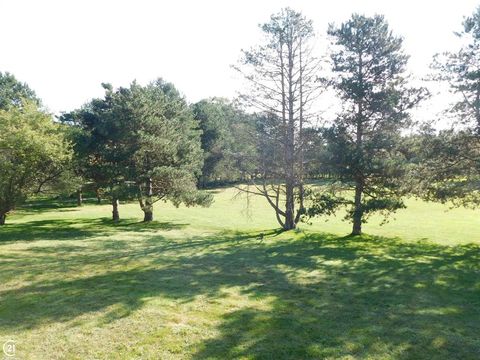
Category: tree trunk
[358,211]
[79,197]
[99,197]
[115,213]
[148,208]
[289,207]
[301,190]
[2,218]
[148,216]
[359,181]
[290,149]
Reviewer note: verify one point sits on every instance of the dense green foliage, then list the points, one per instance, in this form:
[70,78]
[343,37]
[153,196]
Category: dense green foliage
[168,158]
[13,93]
[33,154]
[226,140]
[140,142]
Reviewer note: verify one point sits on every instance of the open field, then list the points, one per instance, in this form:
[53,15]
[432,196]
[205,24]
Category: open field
[203,283]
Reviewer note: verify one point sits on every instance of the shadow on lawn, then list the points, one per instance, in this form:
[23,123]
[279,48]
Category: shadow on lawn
[60,204]
[325,296]
[76,229]
[44,205]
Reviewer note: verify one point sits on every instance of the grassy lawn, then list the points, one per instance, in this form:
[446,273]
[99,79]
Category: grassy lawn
[203,284]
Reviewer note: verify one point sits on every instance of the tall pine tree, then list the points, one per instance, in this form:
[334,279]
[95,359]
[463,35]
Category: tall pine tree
[369,78]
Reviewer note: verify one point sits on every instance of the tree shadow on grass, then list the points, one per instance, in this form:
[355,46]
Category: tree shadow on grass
[60,229]
[77,229]
[323,296]
[378,298]
[45,205]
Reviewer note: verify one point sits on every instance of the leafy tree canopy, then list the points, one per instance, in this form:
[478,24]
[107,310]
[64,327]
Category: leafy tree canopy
[33,154]
[14,92]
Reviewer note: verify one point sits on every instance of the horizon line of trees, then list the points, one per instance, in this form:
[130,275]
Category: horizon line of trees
[147,143]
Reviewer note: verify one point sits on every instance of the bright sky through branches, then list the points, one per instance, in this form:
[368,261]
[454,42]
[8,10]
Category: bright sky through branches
[65,49]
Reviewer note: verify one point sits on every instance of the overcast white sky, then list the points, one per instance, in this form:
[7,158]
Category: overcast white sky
[65,49]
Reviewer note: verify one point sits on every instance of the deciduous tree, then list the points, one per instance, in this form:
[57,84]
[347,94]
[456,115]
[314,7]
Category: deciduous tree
[282,76]
[14,93]
[33,154]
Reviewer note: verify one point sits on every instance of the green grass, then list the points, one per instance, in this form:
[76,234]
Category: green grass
[201,284]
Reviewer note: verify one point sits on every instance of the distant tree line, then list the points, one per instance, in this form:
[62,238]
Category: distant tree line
[148,144]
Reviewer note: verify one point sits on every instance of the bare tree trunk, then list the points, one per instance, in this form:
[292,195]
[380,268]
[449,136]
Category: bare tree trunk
[3,216]
[301,190]
[289,208]
[115,213]
[148,208]
[290,149]
[290,179]
[79,197]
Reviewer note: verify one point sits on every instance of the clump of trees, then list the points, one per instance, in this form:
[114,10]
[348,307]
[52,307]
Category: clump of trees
[140,142]
[226,132]
[448,165]
[146,143]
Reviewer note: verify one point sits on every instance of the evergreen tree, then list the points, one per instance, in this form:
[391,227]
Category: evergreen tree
[142,142]
[369,77]
[168,157]
[102,134]
[225,131]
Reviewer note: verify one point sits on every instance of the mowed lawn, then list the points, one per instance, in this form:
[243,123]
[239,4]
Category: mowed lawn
[222,283]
